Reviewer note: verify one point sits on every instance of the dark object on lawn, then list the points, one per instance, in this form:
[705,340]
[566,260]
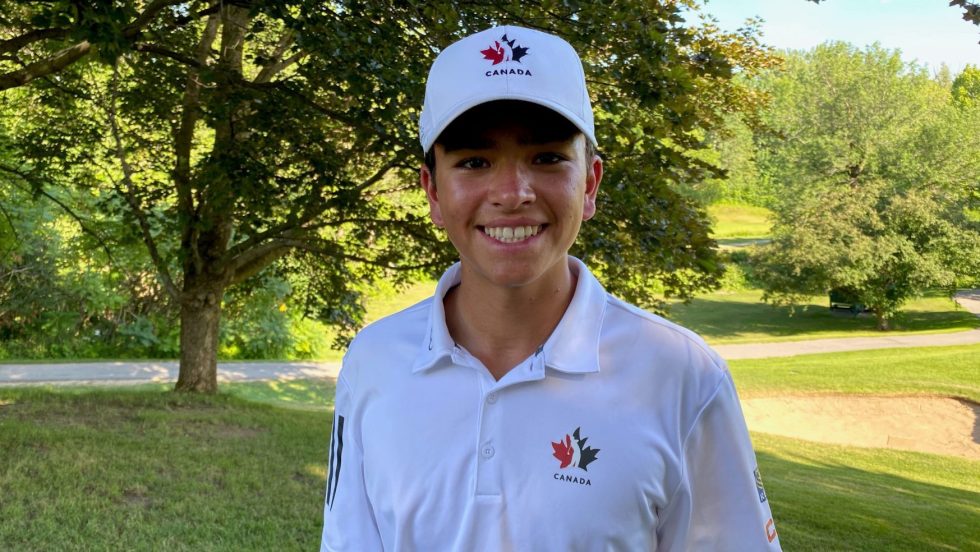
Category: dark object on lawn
[846,299]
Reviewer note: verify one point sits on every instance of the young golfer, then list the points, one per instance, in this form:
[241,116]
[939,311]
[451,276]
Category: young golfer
[522,407]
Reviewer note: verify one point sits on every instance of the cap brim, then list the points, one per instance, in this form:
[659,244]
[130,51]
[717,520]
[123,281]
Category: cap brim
[463,107]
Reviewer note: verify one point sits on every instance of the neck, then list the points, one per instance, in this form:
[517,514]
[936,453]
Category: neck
[503,326]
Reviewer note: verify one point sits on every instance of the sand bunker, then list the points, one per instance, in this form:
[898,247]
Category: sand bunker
[925,424]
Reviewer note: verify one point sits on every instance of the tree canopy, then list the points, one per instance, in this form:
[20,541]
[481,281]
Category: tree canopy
[877,168]
[232,138]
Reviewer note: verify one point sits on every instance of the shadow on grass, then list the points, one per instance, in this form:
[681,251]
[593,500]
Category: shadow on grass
[300,393]
[827,505]
[125,469]
[728,318]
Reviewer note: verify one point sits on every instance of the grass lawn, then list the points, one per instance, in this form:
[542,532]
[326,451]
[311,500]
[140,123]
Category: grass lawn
[139,468]
[381,304]
[946,371]
[739,221]
[742,317]
[827,497]
[144,469]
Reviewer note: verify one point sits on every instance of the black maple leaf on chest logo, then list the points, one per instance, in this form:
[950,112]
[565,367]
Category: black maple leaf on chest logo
[574,452]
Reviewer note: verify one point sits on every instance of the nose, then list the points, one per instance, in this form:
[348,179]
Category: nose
[512,187]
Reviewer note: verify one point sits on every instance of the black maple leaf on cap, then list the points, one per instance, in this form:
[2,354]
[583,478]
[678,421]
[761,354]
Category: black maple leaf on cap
[518,52]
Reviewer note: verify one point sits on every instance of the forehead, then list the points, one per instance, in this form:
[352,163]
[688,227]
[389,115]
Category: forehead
[533,124]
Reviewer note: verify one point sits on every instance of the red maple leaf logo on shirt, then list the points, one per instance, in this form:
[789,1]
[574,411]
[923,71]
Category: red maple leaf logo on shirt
[494,53]
[564,451]
[575,452]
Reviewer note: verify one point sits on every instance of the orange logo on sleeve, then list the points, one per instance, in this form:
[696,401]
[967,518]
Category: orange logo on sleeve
[771,530]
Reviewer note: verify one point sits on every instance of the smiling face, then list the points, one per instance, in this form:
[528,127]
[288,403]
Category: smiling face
[511,186]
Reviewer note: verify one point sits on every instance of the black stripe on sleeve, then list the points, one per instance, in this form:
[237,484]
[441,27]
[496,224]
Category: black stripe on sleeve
[333,444]
[339,459]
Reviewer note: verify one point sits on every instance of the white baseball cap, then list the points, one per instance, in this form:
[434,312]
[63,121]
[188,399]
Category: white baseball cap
[505,63]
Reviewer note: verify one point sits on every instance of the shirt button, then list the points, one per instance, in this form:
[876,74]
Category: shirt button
[488,452]
[492,398]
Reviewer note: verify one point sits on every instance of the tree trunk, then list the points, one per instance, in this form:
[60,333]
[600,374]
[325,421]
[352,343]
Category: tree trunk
[883,322]
[200,315]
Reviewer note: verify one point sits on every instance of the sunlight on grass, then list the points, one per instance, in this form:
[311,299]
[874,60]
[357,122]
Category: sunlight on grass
[742,317]
[831,497]
[317,470]
[380,303]
[943,371]
[301,393]
[739,221]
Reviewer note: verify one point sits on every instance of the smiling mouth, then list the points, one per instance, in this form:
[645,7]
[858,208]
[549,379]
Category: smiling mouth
[512,234]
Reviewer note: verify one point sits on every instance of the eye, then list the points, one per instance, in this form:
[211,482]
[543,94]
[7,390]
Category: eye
[548,158]
[473,163]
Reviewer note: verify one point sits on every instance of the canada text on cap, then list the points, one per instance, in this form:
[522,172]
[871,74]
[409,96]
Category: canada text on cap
[505,63]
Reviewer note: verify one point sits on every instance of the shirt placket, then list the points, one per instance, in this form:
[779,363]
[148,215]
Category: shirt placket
[492,452]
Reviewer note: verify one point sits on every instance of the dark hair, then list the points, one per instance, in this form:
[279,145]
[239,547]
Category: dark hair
[545,124]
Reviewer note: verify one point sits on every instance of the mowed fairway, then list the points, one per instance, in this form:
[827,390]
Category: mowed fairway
[143,469]
[742,317]
[831,497]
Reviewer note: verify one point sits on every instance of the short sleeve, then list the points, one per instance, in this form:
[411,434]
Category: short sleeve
[348,520]
[720,503]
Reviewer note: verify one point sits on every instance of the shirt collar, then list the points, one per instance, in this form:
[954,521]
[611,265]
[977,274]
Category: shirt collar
[574,345]
[572,348]
[438,344]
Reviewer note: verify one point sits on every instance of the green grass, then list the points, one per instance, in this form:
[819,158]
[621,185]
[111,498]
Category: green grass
[742,317]
[739,221]
[391,301]
[827,497]
[301,394]
[143,469]
[138,468]
[830,497]
[381,303]
[946,371]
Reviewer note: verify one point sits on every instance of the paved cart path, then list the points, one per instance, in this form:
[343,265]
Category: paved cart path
[122,372]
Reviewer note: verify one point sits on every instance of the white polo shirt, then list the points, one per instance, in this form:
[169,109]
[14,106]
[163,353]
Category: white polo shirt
[622,432]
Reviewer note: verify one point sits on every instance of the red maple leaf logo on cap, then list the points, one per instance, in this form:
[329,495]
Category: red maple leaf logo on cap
[494,53]
[564,451]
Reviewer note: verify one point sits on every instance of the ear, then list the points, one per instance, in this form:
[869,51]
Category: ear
[428,182]
[592,179]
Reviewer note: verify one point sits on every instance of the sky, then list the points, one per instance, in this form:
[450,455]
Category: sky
[927,31]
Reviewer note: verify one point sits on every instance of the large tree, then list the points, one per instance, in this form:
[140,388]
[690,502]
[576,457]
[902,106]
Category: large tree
[237,135]
[877,169]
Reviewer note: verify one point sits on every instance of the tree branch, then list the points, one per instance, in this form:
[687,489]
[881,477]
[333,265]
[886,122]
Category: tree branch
[176,56]
[323,247]
[53,64]
[274,69]
[69,55]
[36,35]
[130,195]
[39,188]
[143,19]
[10,223]
[277,64]
[255,260]
[184,135]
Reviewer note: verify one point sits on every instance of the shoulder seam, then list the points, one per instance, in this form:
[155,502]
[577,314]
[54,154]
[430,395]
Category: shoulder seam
[687,438]
[688,336]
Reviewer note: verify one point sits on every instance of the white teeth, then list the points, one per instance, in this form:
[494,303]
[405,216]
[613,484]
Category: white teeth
[511,234]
